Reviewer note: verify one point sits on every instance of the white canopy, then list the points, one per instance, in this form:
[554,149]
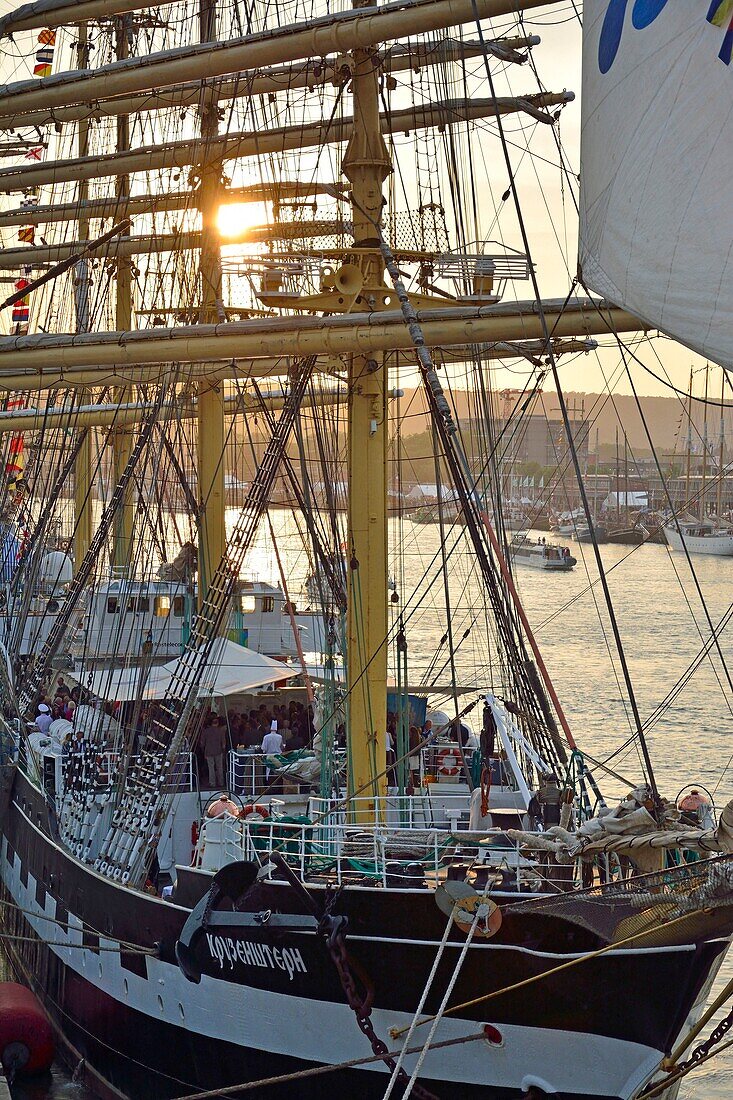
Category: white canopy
[231,670]
[637,498]
[430,492]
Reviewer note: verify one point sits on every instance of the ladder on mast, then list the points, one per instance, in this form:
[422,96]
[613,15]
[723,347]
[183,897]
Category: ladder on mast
[139,817]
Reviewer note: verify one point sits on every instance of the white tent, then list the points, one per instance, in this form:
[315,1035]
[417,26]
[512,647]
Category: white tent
[633,499]
[425,492]
[232,669]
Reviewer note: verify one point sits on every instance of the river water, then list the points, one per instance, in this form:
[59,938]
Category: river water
[661,622]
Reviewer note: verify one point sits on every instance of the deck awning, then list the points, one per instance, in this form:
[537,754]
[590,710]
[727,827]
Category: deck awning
[232,670]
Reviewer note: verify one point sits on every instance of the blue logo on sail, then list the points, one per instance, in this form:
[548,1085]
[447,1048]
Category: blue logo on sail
[644,12]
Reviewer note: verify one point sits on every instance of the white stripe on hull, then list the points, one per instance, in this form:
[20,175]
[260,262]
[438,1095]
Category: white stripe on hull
[325,1032]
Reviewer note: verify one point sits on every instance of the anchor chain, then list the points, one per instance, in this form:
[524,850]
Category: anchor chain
[333,930]
[700,1052]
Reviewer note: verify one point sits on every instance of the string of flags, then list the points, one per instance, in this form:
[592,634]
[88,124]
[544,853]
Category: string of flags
[15,462]
[44,54]
[27,234]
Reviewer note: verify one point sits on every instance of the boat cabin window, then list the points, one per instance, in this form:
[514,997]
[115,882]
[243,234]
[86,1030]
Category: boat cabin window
[112,605]
[246,604]
[138,603]
[179,606]
[268,604]
[162,606]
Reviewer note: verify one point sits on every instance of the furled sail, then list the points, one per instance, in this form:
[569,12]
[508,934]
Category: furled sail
[656,224]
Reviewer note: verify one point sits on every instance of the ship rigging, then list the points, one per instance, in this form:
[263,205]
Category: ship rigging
[355,139]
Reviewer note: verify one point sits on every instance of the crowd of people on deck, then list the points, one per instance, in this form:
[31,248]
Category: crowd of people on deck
[57,700]
[268,728]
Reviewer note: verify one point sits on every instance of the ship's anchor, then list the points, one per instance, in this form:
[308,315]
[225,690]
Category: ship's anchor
[333,929]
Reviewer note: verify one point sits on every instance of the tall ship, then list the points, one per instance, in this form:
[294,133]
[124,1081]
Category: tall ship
[237,241]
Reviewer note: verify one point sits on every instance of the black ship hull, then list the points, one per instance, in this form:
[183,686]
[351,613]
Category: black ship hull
[270,1002]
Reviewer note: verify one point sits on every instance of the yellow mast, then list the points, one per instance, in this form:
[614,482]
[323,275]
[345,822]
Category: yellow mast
[211,433]
[122,437]
[83,465]
[367,165]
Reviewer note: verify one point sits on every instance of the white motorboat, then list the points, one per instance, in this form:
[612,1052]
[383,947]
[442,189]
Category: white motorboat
[700,538]
[541,554]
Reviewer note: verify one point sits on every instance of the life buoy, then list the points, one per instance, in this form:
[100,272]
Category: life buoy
[194,839]
[255,812]
[448,762]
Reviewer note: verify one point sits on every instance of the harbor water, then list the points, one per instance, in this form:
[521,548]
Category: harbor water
[662,626]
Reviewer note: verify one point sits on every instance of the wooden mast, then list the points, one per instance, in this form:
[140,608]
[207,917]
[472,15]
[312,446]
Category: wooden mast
[257,143]
[367,165]
[83,464]
[300,74]
[211,433]
[314,38]
[122,436]
[302,336]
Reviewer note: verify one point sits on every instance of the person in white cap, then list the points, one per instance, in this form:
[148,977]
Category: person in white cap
[43,718]
[272,745]
[272,742]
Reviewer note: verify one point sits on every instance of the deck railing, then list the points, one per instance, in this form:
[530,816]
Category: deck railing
[337,850]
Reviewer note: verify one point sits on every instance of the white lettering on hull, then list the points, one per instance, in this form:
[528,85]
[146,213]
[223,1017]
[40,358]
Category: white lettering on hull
[227,951]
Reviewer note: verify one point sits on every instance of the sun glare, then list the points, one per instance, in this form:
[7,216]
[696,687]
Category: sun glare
[234,218]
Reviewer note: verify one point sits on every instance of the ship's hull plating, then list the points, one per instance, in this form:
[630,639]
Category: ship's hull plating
[269,1001]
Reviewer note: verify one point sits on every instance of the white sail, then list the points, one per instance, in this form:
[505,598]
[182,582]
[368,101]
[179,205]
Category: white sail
[656,225]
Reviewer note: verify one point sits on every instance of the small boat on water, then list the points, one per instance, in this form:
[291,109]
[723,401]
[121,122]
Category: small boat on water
[564,523]
[541,554]
[625,536]
[582,533]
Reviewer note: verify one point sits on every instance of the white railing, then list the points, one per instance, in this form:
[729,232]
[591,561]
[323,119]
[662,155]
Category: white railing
[247,772]
[378,854]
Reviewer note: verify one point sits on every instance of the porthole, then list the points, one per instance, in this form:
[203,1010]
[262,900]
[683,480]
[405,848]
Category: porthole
[181,1013]
[125,986]
[160,1003]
